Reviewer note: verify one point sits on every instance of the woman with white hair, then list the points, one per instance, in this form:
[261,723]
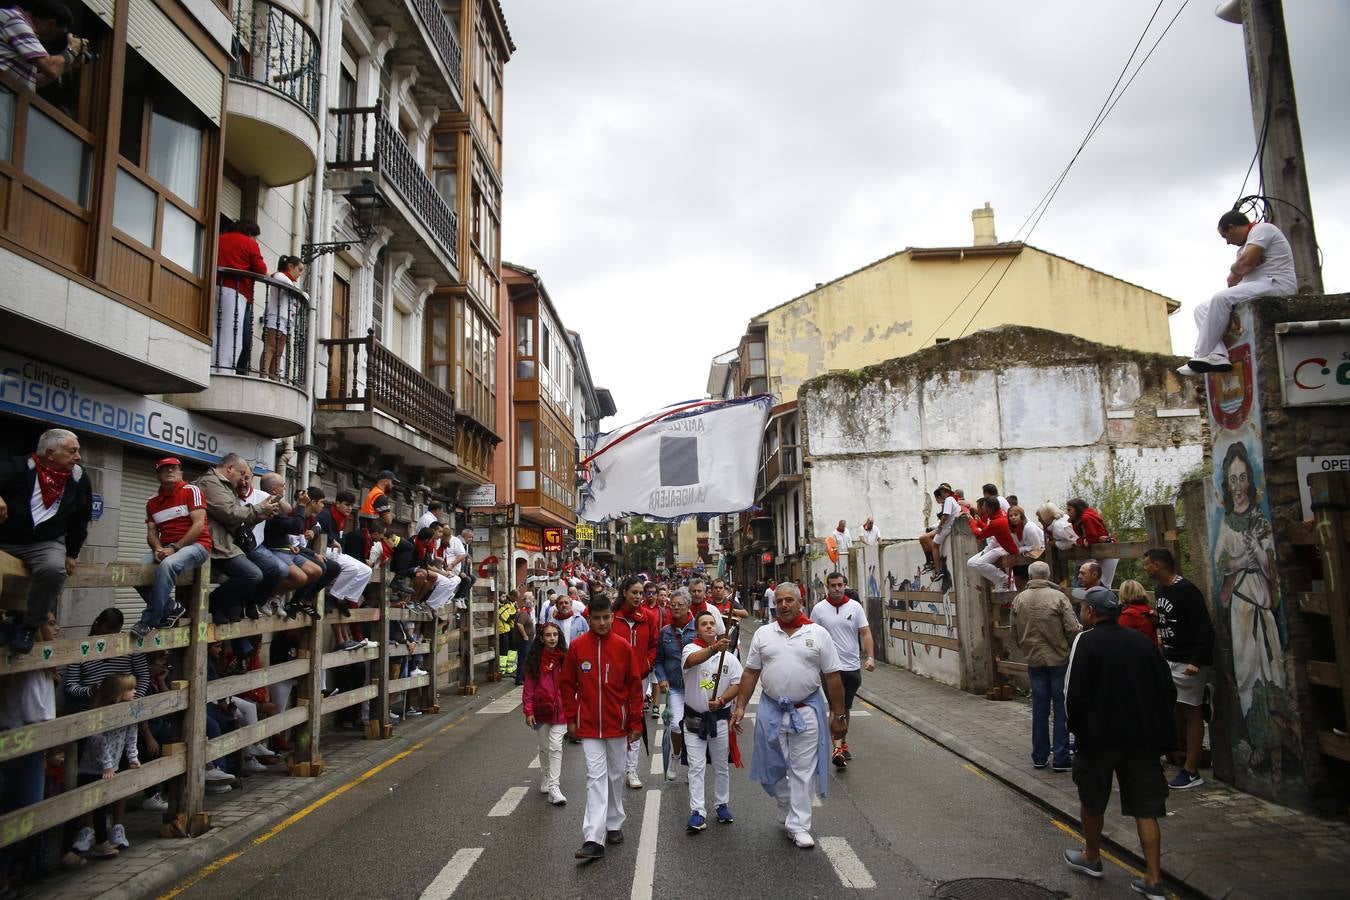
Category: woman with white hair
[1057,526]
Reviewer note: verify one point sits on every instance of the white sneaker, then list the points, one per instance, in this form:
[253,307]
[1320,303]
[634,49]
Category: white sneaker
[84,840]
[556,798]
[545,786]
[672,773]
[218,787]
[633,781]
[252,765]
[119,838]
[261,750]
[216,775]
[1186,370]
[155,803]
[803,840]
[394,718]
[1213,362]
[418,671]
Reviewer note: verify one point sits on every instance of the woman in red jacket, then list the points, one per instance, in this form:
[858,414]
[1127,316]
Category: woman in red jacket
[602,696]
[1091,529]
[543,705]
[1136,612]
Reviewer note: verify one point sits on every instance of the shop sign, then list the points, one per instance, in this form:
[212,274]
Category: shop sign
[480,495]
[1314,362]
[585,531]
[529,538]
[553,538]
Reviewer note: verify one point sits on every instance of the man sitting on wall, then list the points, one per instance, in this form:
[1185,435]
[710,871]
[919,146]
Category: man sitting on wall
[933,541]
[226,513]
[45,506]
[179,542]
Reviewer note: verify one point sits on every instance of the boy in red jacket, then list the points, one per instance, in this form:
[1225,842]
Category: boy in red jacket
[602,696]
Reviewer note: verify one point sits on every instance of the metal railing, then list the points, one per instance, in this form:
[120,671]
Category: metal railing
[367,140]
[275,49]
[443,38]
[363,372]
[267,339]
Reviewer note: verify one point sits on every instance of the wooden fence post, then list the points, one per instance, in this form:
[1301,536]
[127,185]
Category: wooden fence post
[381,725]
[307,758]
[1161,522]
[972,612]
[188,815]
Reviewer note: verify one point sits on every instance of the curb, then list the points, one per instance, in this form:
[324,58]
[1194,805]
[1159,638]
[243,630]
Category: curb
[1013,778]
[151,881]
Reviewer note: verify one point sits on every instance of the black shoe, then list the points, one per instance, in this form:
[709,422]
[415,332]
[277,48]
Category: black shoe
[349,645]
[251,610]
[344,610]
[590,850]
[1062,766]
[293,609]
[613,837]
[22,642]
[7,627]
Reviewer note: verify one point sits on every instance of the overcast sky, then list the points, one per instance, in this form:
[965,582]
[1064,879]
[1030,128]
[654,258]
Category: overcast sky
[672,169]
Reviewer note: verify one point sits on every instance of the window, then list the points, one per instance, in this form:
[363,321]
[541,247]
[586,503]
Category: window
[756,360]
[444,166]
[461,356]
[57,158]
[524,347]
[377,295]
[160,201]
[525,454]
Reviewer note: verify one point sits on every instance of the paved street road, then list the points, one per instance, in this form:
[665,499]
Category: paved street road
[462,817]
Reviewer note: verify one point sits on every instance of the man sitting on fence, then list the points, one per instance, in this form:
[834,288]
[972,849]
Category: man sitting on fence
[179,542]
[933,541]
[45,506]
[228,516]
[994,562]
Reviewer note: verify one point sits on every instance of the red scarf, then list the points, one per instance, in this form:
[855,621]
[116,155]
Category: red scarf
[701,608]
[723,608]
[51,481]
[702,643]
[339,518]
[837,604]
[558,609]
[550,659]
[801,620]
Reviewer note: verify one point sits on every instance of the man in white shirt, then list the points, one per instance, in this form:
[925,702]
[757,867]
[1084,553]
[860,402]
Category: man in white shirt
[712,678]
[456,554]
[869,535]
[842,542]
[991,490]
[431,517]
[1264,268]
[794,657]
[932,541]
[846,621]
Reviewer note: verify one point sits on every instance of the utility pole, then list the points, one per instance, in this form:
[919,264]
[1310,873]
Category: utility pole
[1282,167]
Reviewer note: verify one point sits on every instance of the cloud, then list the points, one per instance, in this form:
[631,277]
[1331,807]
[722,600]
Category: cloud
[674,169]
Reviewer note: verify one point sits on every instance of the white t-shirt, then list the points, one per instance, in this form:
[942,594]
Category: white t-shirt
[769,598]
[1003,503]
[428,519]
[950,508]
[1062,533]
[841,540]
[717,614]
[256,498]
[455,554]
[1277,261]
[1033,538]
[790,665]
[845,625]
[869,536]
[698,680]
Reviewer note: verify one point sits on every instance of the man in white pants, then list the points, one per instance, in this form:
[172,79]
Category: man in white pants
[351,583]
[1264,268]
[794,656]
[712,677]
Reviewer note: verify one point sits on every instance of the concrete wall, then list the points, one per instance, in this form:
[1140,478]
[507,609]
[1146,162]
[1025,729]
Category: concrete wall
[895,306]
[1019,407]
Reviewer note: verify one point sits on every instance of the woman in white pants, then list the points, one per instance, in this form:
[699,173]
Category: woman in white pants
[542,702]
[712,678]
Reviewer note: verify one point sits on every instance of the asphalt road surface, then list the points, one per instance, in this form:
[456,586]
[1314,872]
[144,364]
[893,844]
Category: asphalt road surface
[462,817]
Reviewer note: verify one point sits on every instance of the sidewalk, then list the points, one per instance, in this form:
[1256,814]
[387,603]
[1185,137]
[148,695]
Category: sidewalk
[155,864]
[1218,841]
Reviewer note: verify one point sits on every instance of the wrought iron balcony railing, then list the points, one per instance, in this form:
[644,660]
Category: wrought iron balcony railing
[275,49]
[364,373]
[271,343]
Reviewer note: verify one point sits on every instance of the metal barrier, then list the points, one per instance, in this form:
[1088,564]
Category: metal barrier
[182,765]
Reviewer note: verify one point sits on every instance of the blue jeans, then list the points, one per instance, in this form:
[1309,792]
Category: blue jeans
[1047,687]
[158,597]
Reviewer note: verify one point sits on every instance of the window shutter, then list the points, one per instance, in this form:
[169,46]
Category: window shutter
[103,9]
[173,55]
[231,198]
[139,484]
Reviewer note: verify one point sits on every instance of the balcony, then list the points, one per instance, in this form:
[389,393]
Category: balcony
[782,468]
[367,145]
[272,127]
[258,381]
[373,397]
[762,535]
[428,42]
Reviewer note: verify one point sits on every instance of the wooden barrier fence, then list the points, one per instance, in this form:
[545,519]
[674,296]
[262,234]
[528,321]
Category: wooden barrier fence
[459,653]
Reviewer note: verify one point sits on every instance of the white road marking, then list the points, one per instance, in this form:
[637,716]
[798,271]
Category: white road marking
[503,704]
[644,875]
[534,763]
[657,738]
[510,800]
[859,714]
[449,878]
[851,871]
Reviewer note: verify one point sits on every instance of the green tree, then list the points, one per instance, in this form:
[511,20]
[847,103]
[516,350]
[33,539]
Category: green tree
[1119,495]
[648,542]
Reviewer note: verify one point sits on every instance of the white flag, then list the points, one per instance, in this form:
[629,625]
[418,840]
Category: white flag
[669,466]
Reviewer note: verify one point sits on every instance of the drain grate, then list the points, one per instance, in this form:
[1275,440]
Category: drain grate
[994,889]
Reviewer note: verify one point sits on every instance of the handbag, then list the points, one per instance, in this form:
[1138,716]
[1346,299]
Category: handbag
[244,539]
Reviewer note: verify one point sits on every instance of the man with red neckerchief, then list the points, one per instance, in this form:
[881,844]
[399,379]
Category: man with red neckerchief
[639,629]
[722,600]
[993,562]
[698,602]
[846,621]
[794,657]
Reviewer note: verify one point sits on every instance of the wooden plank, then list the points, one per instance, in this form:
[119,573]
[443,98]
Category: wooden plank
[1317,603]
[490,631]
[484,656]
[918,596]
[423,648]
[258,731]
[484,608]
[931,640]
[916,616]
[187,796]
[43,735]
[1008,667]
[380,709]
[240,684]
[251,627]
[344,699]
[54,654]
[1122,550]
[1333,744]
[30,820]
[1326,674]
[335,659]
[398,685]
[357,615]
[398,614]
[118,573]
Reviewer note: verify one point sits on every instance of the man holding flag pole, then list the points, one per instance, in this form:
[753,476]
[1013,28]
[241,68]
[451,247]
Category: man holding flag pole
[707,711]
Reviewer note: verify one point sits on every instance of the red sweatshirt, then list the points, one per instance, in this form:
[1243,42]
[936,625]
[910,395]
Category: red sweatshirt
[602,686]
[996,528]
[1142,619]
[639,628]
[236,250]
[1091,529]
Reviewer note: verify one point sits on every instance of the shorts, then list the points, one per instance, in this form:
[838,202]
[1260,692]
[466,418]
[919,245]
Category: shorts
[1190,688]
[852,681]
[943,532]
[289,557]
[1143,788]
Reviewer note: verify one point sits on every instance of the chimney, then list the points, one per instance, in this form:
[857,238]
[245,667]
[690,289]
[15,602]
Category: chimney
[984,226]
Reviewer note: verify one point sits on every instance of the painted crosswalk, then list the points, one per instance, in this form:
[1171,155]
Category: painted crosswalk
[846,864]
[510,800]
[444,885]
[504,704]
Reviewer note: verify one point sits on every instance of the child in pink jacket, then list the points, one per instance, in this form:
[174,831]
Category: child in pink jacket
[542,702]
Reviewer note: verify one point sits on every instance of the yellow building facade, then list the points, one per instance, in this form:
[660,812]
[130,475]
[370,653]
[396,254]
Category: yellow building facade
[904,302]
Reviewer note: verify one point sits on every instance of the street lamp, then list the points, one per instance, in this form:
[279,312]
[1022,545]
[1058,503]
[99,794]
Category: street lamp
[367,205]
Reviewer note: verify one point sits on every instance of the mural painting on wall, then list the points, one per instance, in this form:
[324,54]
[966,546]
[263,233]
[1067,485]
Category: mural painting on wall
[1250,615]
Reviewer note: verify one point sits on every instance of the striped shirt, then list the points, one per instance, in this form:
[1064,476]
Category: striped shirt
[81,680]
[20,49]
[171,513]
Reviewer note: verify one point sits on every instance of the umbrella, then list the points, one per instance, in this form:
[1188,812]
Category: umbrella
[665,739]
